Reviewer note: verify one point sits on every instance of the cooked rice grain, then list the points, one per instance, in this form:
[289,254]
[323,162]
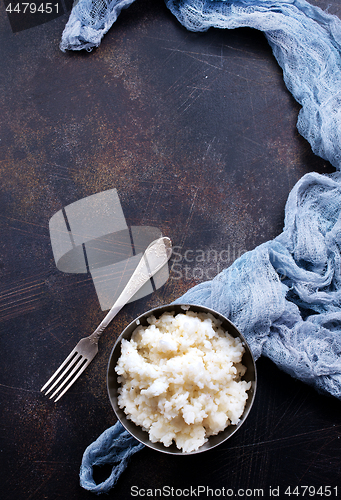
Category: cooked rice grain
[180,379]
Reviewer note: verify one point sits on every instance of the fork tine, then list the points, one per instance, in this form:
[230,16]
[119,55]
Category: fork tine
[75,359]
[81,368]
[65,362]
[68,373]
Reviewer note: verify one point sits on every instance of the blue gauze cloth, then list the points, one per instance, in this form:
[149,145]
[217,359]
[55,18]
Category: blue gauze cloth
[114,446]
[285,294]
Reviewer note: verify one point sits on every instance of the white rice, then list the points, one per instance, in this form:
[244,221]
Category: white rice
[181,379]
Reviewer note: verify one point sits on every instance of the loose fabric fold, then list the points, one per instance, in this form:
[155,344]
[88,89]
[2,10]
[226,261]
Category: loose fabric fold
[114,446]
[89,21]
[285,295]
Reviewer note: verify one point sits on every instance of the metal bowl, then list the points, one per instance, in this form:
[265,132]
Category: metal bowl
[113,385]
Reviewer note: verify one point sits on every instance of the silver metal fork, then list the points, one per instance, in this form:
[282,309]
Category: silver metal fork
[154,258]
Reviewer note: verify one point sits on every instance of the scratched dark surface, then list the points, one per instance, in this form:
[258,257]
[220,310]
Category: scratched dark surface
[197,133]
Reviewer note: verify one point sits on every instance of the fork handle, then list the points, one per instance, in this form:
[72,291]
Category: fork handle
[154,258]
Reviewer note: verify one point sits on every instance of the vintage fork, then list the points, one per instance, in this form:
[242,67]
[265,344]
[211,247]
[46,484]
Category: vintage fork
[154,258]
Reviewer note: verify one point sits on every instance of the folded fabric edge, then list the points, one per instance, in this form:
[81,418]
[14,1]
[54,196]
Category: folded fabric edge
[82,32]
[115,446]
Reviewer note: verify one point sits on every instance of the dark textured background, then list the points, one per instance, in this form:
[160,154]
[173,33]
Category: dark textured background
[197,133]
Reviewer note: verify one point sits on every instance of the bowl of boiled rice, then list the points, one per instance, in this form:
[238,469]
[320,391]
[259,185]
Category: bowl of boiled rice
[181,379]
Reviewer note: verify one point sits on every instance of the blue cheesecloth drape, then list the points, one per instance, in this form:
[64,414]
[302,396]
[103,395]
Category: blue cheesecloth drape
[285,295]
